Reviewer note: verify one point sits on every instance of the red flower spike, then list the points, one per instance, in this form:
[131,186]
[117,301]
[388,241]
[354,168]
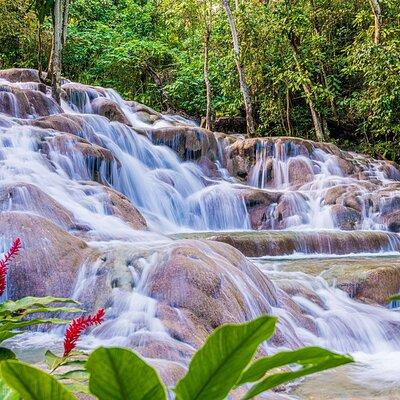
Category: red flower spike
[14,250]
[77,326]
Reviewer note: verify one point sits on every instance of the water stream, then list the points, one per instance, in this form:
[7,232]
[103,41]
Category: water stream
[178,196]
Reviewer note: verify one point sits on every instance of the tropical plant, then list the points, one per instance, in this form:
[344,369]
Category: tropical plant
[15,315]
[395,297]
[224,364]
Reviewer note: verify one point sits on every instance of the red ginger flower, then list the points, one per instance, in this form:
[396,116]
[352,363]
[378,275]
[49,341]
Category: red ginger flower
[14,250]
[77,326]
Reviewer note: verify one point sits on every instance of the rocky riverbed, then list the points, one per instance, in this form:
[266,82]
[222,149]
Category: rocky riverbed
[176,230]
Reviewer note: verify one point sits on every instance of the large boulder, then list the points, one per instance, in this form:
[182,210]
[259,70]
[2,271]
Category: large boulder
[366,279]
[346,218]
[30,198]
[189,287]
[300,171]
[260,205]
[20,75]
[391,220]
[109,109]
[115,203]
[62,123]
[90,161]
[50,257]
[26,103]
[189,143]
[243,154]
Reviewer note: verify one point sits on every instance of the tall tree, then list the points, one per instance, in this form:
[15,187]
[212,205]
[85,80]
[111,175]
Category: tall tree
[207,34]
[60,22]
[42,9]
[240,68]
[376,9]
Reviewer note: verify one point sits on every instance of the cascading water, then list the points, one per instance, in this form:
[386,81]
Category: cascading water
[73,157]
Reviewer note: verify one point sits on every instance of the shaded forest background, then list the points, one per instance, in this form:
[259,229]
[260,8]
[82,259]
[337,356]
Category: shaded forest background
[339,54]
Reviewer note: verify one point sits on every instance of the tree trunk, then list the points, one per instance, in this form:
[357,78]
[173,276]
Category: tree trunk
[65,12]
[319,132]
[376,9]
[289,124]
[39,51]
[242,77]
[165,99]
[50,65]
[56,51]
[207,82]
[307,87]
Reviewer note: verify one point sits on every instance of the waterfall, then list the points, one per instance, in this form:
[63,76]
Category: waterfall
[72,164]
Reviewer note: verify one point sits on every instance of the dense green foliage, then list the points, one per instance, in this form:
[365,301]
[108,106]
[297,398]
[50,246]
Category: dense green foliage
[223,364]
[152,51]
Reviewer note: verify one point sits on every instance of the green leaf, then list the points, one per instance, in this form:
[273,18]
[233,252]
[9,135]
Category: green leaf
[312,359]
[80,375]
[6,354]
[7,328]
[28,302]
[6,393]
[32,383]
[120,374]
[395,297]
[54,310]
[52,360]
[216,367]
[77,387]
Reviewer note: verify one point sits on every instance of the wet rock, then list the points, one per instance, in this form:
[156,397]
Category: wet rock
[109,109]
[138,107]
[292,209]
[391,221]
[189,143]
[74,91]
[61,123]
[49,259]
[119,205]
[170,372]
[243,154]
[270,243]
[88,158]
[203,283]
[346,218]
[370,280]
[391,170]
[147,118]
[300,171]
[259,204]
[28,197]
[20,75]
[26,103]
[346,166]
[334,194]
[197,287]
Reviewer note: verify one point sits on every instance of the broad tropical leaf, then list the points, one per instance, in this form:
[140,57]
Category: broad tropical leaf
[8,326]
[217,366]
[6,354]
[25,303]
[312,359]
[32,383]
[6,393]
[120,374]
